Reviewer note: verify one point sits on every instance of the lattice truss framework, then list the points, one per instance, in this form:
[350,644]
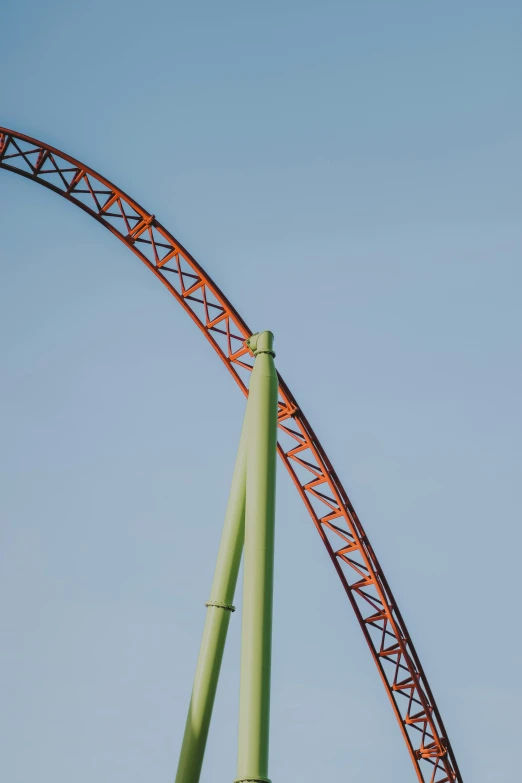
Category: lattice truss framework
[321,490]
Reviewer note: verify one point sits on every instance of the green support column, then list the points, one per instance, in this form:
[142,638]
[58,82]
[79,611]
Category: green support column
[219,608]
[256,647]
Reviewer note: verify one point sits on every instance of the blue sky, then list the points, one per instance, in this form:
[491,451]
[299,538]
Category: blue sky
[349,174]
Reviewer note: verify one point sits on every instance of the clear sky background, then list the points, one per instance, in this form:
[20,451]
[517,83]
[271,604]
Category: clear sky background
[349,173]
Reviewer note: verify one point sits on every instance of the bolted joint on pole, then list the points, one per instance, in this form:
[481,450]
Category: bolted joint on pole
[252,780]
[220,605]
[261,342]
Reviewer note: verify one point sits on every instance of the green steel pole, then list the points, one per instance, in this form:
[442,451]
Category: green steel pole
[219,607]
[256,646]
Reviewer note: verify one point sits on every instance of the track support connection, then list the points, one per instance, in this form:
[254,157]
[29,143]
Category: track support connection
[249,521]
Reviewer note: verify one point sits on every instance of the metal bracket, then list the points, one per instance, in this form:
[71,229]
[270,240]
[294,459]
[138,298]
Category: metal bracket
[218,605]
[260,342]
[253,780]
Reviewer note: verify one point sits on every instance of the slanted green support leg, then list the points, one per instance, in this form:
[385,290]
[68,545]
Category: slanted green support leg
[256,647]
[219,608]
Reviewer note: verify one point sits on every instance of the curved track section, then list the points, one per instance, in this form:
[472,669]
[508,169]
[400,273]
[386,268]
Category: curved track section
[305,459]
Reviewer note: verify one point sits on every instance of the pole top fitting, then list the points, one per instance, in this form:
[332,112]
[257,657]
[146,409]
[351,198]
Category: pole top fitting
[261,342]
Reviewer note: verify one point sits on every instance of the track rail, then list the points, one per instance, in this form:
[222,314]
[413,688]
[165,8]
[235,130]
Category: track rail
[319,486]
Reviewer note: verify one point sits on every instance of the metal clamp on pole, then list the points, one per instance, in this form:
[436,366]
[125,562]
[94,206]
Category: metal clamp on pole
[218,605]
[253,780]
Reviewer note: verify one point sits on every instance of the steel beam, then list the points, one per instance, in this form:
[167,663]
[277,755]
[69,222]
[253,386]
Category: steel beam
[256,646]
[219,608]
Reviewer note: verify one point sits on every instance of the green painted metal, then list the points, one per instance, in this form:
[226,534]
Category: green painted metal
[219,608]
[256,646]
[250,519]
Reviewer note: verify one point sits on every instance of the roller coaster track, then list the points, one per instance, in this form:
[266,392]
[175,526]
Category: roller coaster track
[320,489]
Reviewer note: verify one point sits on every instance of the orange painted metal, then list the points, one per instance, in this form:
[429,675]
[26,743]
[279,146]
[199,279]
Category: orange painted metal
[317,482]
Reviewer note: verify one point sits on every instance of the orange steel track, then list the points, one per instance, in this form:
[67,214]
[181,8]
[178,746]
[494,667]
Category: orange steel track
[305,459]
